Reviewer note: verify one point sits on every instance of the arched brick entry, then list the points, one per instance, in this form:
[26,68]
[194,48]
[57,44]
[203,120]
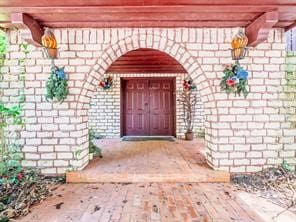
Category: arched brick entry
[157,42]
[243,135]
[175,50]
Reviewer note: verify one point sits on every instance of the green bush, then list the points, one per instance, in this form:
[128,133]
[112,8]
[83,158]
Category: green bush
[3,46]
[92,147]
[10,158]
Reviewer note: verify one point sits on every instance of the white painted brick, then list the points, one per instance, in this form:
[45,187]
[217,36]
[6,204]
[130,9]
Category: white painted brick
[238,162]
[258,161]
[60,163]
[258,123]
[49,156]
[234,155]
[32,156]
[45,163]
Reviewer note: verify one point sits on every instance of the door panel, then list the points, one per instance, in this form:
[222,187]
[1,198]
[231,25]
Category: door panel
[135,120]
[161,107]
[148,107]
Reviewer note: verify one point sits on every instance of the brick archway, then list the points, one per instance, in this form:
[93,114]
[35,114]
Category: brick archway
[157,42]
[163,44]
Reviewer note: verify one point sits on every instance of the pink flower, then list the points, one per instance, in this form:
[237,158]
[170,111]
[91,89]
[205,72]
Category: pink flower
[20,176]
[230,82]
[102,84]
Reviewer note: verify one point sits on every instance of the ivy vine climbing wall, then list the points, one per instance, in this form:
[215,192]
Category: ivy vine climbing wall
[290,88]
[11,122]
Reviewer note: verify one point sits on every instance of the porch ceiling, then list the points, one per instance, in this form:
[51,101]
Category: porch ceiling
[146,61]
[148,13]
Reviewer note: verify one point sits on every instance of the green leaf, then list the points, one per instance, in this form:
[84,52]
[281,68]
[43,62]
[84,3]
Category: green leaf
[3,168]
[13,163]
[286,166]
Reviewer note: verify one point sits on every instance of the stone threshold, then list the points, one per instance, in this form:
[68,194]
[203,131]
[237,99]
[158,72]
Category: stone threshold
[212,177]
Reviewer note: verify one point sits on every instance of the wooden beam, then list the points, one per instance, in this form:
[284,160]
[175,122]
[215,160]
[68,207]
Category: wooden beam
[145,16]
[257,32]
[77,3]
[30,29]
[145,24]
[140,9]
[293,25]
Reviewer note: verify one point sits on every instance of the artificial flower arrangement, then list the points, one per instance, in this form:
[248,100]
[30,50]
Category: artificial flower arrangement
[57,85]
[106,83]
[188,84]
[235,80]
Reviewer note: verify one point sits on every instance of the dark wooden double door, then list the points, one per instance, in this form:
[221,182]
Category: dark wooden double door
[148,107]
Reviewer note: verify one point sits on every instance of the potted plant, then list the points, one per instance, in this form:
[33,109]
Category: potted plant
[188,100]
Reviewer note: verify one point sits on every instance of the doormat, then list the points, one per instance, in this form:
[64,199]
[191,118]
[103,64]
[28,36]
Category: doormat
[148,138]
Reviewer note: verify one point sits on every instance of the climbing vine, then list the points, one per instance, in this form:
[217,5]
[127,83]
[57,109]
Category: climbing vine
[290,88]
[10,155]
[3,47]
[22,71]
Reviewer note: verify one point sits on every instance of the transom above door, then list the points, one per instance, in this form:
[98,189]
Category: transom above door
[148,107]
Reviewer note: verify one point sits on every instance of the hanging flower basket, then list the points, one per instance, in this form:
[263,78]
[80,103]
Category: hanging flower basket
[57,85]
[235,80]
[106,83]
[188,84]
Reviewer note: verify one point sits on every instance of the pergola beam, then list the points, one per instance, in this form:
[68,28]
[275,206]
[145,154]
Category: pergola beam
[30,29]
[257,32]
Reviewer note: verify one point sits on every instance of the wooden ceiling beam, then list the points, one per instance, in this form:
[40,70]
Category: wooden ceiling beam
[146,60]
[77,3]
[257,32]
[137,62]
[145,16]
[142,70]
[30,29]
[148,13]
[167,66]
[293,25]
[145,24]
[140,9]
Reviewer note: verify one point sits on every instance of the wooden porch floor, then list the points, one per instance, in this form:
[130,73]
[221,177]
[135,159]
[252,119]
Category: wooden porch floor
[148,161]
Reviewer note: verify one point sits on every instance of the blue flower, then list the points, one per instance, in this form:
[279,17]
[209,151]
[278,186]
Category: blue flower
[61,73]
[242,74]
